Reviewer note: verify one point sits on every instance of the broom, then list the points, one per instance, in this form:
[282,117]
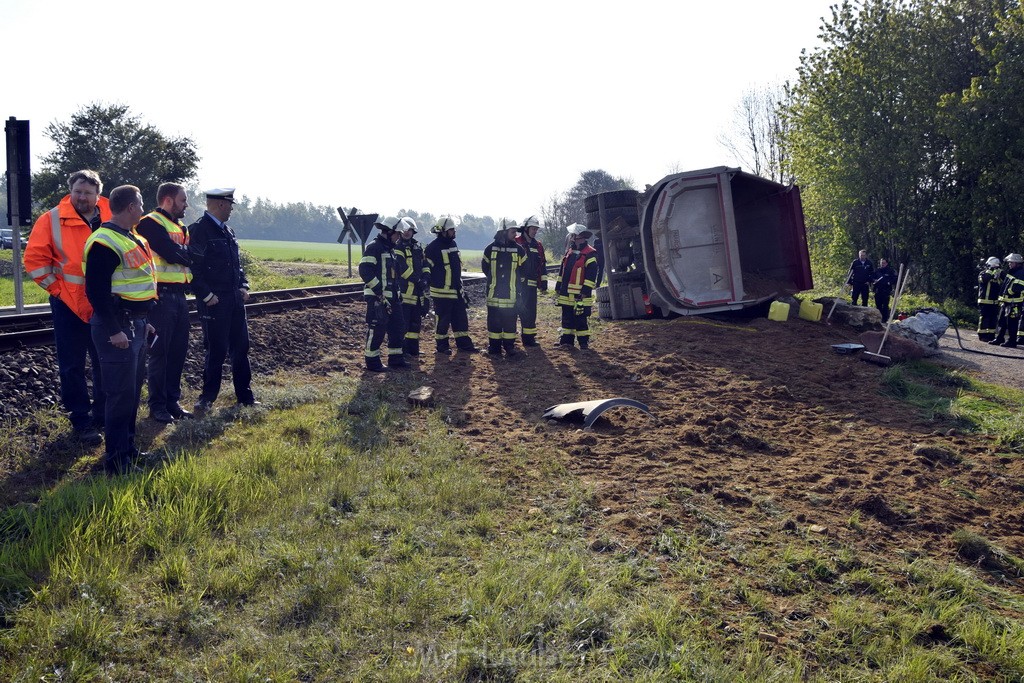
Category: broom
[877,358]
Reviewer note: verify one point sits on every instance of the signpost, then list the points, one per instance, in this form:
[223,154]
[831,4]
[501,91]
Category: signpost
[19,196]
[356,224]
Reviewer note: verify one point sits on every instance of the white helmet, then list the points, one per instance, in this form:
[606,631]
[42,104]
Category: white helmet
[579,229]
[992,262]
[407,224]
[532,222]
[507,224]
[444,223]
[388,225]
[1014,258]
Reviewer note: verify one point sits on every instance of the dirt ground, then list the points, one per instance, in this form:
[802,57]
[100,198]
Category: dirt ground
[763,417]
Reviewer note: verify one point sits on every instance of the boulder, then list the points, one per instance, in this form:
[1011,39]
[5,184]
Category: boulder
[858,317]
[896,347]
[916,330]
[929,321]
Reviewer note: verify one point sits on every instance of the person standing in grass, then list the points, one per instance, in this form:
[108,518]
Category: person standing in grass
[382,269]
[221,290]
[120,283]
[167,238]
[53,258]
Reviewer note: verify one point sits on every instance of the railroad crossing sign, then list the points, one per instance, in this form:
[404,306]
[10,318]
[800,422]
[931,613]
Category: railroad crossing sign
[356,224]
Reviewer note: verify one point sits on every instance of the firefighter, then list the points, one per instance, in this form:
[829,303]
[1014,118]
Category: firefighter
[883,280]
[415,292]
[1011,301]
[381,270]
[502,265]
[450,300]
[53,258]
[534,278]
[990,286]
[577,278]
[120,282]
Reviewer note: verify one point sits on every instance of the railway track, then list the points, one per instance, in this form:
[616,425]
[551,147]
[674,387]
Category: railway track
[34,327]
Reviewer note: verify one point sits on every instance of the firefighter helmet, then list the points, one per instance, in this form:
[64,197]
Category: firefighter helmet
[507,224]
[579,230]
[389,225]
[407,224]
[1014,258]
[532,222]
[992,262]
[444,223]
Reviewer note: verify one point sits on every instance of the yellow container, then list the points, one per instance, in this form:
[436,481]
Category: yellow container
[810,310]
[778,311]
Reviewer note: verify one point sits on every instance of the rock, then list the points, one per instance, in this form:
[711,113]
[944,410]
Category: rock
[917,334]
[928,320]
[858,317]
[896,347]
[936,454]
[817,529]
[421,396]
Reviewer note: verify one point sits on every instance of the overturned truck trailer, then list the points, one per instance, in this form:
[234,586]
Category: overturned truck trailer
[704,241]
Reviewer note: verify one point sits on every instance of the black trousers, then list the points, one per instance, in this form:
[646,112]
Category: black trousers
[860,289]
[988,320]
[451,313]
[226,331]
[391,325]
[575,326]
[882,304]
[527,307]
[501,329]
[413,322]
[167,356]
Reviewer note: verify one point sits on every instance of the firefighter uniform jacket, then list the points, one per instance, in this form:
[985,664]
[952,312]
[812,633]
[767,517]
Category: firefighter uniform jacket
[445,268]
[417,272]
[382,269]
[990,285]
[53,255]
[536,263]
[502,266]
[577,277]
[1013,287]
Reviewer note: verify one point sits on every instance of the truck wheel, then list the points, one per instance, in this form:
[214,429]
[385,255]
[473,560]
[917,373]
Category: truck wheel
[602,295]
[604,310]
[594,221]
[612,199]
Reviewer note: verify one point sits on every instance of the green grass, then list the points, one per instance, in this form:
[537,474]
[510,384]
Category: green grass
[334,534]
[327,252]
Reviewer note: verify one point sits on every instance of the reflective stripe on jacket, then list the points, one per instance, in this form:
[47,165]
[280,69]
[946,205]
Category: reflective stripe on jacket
[1013,287]
[54,253]
[445,268]
[577,277]
[135,278]
[416,273]
[501,265]
[171,273]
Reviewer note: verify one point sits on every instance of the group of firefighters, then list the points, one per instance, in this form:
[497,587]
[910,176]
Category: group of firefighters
[1000,301]
[402,279]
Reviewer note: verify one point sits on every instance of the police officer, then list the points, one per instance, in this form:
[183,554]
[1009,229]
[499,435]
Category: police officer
[120,285]
[577,278]
[990,286]
[861,271]
[382,269]
[221,290]
[167,238]
[450,300]
[415,299]
[534,278]
[502,264]
[883,281]
[1011,300]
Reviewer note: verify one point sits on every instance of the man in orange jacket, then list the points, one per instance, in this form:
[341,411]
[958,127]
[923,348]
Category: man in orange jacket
[53,258]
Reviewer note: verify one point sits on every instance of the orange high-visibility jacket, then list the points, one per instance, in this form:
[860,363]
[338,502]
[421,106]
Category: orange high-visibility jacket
[53,255]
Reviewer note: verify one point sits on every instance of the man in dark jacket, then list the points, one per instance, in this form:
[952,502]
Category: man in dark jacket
[861,271]
[383,271]
[221,290]
[534,278]
[415,287]
[1011,300]
[450,300]
[883,281]
[502,264]
[167,239]
[577,279]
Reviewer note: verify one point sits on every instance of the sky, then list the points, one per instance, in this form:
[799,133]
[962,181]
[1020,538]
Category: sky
[442,107]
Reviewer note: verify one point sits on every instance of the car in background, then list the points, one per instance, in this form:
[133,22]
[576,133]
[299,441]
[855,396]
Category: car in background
[7,239]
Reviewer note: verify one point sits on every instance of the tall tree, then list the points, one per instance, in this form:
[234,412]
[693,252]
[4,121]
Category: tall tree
[119,146]
[567,207]
[759,130]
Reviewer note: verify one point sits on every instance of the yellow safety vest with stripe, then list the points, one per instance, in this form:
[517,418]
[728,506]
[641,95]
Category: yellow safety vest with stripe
[134,280]
[171,273]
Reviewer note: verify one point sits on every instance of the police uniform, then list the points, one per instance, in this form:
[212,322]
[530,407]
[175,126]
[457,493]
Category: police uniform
[860,279]
[883,284]
[217,271]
